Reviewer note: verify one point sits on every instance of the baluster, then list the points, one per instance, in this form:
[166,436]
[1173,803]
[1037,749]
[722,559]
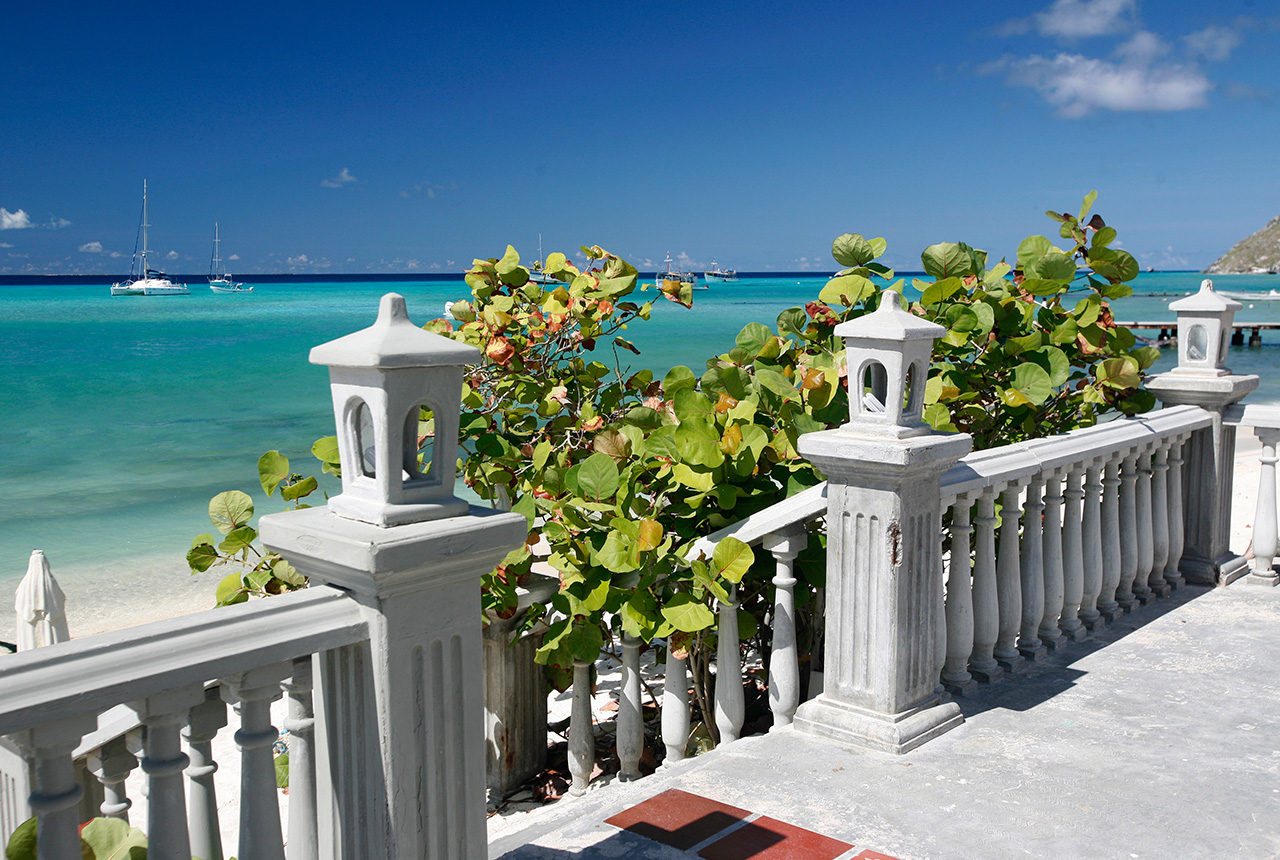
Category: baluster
[1177,523]
[260,837]
[55,795]
[163,761]
[959,605]
[202,726]
[630,724]
[111,766]
[1032,572]
[1091,535]
[1009,583]
[986,606]
[940,618]
[1108,608]
[730,705]
[1072,556]
[675,707]
[1142,507]
[1264,517]
[1159,520]
[1050,634]
[582,741]
[784,665]
[1127,600]
[300,722]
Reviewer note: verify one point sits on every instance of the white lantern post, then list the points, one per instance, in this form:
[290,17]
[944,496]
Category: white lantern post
[1204,331]
[884,590]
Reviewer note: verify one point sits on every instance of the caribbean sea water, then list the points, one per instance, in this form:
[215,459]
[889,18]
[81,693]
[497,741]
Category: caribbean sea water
[120,417]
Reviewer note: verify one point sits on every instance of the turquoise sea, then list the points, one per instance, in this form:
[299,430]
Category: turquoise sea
[121,417]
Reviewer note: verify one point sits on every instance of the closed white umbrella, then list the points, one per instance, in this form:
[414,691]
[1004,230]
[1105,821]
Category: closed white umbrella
[41,606]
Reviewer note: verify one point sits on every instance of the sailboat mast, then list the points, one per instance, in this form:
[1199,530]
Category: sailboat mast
[145,225]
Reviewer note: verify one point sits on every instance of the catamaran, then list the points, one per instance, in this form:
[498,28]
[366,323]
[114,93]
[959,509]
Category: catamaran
[220,281]
[143,280]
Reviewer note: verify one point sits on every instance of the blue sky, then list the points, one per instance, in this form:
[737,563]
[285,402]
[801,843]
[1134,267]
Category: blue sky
[401,137]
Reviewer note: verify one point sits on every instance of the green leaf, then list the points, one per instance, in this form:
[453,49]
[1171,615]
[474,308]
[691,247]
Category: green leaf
[273,467]
[701,481]
[22,842]
[238,539]
[282,770]
[793,321]
[113,839]
[202,554]
[942,290]
[230,510]
[300,490]
[846,290]
[678,377]
[753,337]
[687,615]
[1103,237]
[325,449]
[946,260]
[1087,205]
[1118,373]
[1053,266]
[732,559]
[773,381]
[691,404]
[850,249]
[1042,287]
[598,478]
[1032,248]
[1033,382]
[287,573]
[231,590]
[618,555]
[584,640]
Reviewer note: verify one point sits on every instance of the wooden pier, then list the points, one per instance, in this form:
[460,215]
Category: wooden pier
[1168,331]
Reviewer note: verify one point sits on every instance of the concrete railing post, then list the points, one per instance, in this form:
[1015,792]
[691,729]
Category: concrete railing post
[1202,379]
[884,577]
[400,759]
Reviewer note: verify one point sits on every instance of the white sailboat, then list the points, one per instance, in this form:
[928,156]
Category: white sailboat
[143,280]
[220,281]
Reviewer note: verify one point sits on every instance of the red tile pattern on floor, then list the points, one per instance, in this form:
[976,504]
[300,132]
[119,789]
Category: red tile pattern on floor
[678,818]
[770,839]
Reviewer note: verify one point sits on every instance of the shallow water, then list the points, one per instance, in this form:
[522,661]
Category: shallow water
[121,417]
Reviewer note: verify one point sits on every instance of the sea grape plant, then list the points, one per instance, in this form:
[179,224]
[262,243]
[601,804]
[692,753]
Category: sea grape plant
[619,473]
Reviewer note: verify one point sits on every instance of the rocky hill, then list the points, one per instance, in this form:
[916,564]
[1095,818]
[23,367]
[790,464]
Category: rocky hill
[1259,251]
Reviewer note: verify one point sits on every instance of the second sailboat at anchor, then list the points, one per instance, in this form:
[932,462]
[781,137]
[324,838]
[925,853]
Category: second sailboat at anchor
[220,281]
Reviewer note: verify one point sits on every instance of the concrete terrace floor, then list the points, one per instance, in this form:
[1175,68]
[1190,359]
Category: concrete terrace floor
[1159,737]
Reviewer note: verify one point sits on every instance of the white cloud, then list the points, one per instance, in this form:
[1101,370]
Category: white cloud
[91,248]
[58,223]
[5,245]
[234,257]
[1212,44]
[300,260]
[1076,19]
[115,254]
[172,255]
[344,177]
[1142,50]
[18,220]
[1077,85]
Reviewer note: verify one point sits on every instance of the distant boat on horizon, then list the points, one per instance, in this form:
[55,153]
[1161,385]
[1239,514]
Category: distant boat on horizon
[143,280]
[673,278]
[219,281]
[716,275]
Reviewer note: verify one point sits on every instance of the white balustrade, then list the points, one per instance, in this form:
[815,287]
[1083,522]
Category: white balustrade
[162,716]
[1091,538]
[784,666]
[1108,606]
[630,725]
[203,724]
[1265,421]
[1146,550]
[300,723]
[1072,556]
[1159,520]
[986,606]
[1177,520]
[675,707]
[959,604]
[730,706]
[582,741]
[1128,533]
[1009,583]
[1032,572]
[1050,633]
[111,765]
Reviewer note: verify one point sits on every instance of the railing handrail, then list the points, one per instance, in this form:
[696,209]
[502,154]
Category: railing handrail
[1252,415]
[997,466]
[93,674]
[804,506]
